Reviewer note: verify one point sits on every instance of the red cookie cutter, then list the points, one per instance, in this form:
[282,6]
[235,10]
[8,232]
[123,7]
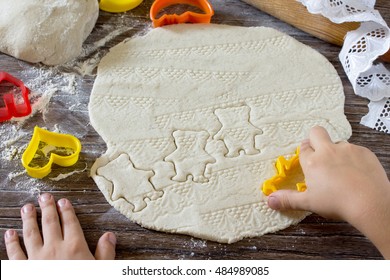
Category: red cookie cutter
[185,17]
[12,107]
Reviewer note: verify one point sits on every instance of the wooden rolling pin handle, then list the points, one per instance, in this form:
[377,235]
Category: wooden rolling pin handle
[294,13]
[386,57]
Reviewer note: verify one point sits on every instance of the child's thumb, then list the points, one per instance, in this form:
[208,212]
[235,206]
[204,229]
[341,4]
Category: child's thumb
[105,249]
[287,200]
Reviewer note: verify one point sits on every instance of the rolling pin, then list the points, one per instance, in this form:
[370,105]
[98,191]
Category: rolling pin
[296,14]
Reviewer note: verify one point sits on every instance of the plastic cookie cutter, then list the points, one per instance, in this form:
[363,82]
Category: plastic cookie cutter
[289,175]
[14,100]
[47,148]
[118,6]
[185,17]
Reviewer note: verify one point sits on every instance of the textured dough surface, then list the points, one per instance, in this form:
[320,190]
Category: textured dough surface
[47,31]
[194,117]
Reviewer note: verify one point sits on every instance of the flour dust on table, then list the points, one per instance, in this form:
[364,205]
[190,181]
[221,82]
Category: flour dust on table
[194,117]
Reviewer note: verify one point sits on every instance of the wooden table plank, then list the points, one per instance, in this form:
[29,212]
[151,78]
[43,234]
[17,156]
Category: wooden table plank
[313,238]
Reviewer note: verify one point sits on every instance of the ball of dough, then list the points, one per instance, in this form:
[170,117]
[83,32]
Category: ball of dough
[47,31]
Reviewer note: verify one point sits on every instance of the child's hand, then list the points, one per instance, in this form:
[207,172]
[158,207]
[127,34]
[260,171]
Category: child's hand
[62,237]
[344,181]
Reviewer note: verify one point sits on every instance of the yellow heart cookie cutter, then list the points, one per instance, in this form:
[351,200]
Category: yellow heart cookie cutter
[66,141]
[118,6]
[287,170]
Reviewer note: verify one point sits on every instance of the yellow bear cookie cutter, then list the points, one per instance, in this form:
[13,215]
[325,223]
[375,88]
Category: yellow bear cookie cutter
[66,141]
[289,172]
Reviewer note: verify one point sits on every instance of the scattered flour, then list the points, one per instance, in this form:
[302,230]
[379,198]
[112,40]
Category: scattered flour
[14,175]
[195,243]
[9,153]
[64,88]
[102,42]
[89,59]
[253,248]
[71,86]
[63,176]
[87,67]
[39,104]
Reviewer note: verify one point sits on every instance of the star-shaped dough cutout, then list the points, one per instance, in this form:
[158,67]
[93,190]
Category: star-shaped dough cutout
[129,183]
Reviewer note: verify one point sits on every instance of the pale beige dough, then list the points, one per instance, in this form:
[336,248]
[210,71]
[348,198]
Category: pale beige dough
[47,31]
[194,117]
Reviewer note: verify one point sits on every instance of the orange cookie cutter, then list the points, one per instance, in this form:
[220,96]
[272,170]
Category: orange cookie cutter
[185,17]
[54,139]
[12,107]
[287,170]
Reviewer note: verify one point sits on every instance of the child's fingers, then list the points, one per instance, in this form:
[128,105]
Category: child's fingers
[12,245]
[305,146]
[105,249]
[31,234]
[51,228]
[71,227]
[306,151]
[288,200]
[319,137]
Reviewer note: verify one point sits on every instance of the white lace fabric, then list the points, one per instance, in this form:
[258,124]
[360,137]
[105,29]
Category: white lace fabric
[360,50]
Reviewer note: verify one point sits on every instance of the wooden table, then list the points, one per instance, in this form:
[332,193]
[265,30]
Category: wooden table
[313,238]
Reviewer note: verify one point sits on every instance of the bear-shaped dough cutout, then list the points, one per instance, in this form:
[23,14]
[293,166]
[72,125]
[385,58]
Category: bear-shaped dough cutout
[190,157]
[237,132]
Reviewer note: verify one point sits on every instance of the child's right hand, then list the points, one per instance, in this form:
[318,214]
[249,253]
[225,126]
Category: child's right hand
[344,181]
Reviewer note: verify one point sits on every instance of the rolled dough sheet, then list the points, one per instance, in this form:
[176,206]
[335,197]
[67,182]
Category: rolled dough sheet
[194,117]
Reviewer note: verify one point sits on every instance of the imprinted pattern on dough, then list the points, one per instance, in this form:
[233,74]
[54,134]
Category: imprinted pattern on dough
[194,117]
[208,50]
